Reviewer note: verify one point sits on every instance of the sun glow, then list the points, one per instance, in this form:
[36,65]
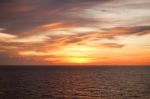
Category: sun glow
[79,60]
[77,54]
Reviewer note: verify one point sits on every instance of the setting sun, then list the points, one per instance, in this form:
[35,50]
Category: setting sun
[76,54]
[79,60]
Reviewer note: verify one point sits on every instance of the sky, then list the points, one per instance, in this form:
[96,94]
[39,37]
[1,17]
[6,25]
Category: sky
[74,32]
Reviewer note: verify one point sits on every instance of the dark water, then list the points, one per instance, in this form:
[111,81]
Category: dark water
[75,82]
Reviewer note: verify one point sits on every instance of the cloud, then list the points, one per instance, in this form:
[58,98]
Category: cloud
[111,45]
[51,39]
[116,13]
[136,30]
[23,14]
[17,60]
[6,37]
[37,27]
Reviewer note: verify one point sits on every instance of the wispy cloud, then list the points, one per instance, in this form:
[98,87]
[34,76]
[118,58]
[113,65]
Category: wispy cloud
[53,30]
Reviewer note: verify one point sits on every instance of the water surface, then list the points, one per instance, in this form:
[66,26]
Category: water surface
[75,82]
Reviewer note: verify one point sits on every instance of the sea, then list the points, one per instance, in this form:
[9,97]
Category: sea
[74,82]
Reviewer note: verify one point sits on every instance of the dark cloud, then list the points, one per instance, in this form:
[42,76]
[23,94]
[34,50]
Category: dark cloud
[74,40]
[120,31]
[112,45]
[141,30]
[6,1]
[22,15]
[137,30]
[7,59]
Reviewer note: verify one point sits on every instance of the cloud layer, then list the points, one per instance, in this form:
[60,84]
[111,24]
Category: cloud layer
[50,31]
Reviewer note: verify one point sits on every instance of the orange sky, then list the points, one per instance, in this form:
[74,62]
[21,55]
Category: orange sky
[75,32]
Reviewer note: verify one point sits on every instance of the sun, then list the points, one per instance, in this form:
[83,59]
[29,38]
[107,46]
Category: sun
[76,54]
[79,60]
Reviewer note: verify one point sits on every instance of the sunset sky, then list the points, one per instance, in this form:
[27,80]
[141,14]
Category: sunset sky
[75,32]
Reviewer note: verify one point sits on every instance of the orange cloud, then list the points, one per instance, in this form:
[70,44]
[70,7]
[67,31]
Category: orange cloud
[75,32]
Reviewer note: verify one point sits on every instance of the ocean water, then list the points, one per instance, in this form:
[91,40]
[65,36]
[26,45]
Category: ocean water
[75,82]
